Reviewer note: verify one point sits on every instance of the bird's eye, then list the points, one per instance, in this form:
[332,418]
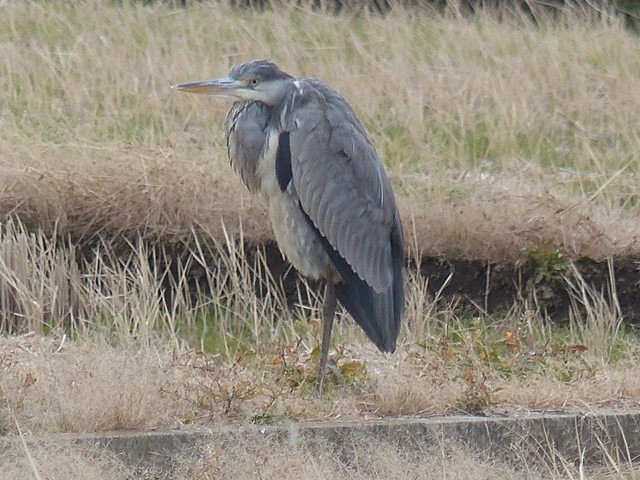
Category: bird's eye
[254,81]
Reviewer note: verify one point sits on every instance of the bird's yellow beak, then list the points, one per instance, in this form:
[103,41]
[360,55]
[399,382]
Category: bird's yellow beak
[224,87]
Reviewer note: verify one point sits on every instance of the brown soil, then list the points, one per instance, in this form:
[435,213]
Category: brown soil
[474,287]
[494,287]
[486,288]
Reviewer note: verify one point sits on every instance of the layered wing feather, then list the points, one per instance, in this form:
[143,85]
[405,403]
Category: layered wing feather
[344,190]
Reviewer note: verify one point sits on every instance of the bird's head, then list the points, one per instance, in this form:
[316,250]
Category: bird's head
[258,80]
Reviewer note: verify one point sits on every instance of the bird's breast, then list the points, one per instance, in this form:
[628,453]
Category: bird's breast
[266,170]
[298,241]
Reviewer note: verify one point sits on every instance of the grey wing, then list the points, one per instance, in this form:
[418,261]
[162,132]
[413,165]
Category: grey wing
[344,190]
[245,131]
[343,187]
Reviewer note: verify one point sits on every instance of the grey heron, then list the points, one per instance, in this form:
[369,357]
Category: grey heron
[300,145]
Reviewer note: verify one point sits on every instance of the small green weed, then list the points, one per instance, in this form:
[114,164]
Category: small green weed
[549,262]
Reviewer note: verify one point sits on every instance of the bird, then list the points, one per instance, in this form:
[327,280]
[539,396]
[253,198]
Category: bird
[300,145]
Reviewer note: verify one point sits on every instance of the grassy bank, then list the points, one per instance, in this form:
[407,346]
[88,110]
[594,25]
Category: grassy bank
[498,135]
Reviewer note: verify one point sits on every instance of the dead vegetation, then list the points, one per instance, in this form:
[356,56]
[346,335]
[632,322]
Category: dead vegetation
[143,349]
[499,135]
[122,248]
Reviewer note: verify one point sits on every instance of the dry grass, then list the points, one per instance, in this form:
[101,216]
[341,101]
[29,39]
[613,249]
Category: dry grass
[358,459]
[257,458]
[499,137]
[147,349]
[255,369]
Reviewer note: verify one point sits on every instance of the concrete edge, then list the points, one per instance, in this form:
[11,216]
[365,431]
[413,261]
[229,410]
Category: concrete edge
[591,438]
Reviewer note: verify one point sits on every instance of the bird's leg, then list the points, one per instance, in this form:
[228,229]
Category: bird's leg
[328,312]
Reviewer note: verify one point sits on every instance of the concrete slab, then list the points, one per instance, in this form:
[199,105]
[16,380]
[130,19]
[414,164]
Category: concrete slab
[590,438]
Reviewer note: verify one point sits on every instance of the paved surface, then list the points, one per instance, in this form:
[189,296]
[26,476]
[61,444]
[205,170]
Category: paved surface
[590,438]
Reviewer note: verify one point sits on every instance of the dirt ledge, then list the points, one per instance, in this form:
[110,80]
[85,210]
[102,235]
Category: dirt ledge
[471,287]
[477,287]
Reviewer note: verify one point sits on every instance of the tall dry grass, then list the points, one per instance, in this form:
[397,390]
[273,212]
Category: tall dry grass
[142,352]
[144,346]
[211,292]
